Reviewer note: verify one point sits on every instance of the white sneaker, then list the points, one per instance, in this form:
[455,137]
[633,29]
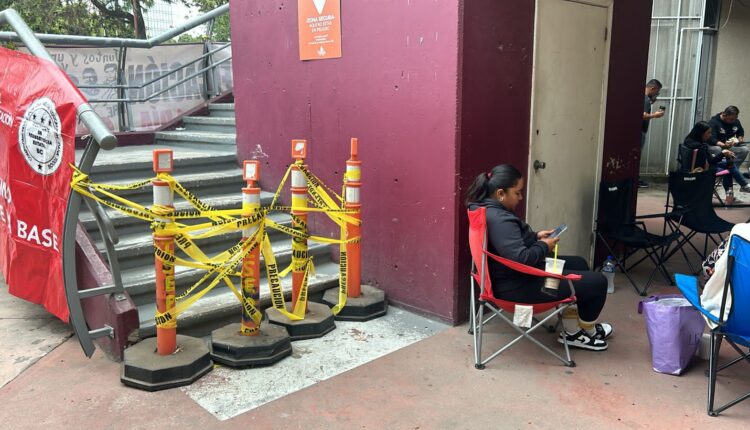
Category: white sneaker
[584,341]
[603,331]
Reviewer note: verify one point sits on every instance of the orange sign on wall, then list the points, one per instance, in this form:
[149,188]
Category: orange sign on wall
[319,29]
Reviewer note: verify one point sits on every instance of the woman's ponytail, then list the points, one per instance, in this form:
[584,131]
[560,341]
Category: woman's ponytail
[501,177]
[478,189]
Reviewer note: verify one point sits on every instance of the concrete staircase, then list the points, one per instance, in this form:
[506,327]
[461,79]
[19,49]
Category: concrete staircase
[205,163]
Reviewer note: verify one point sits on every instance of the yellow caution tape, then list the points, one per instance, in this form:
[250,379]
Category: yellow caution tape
[317,182]
[166,318]
[274,282]
[221,267]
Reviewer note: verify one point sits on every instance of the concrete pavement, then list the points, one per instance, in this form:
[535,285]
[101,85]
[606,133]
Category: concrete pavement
[429,384]
[27,333]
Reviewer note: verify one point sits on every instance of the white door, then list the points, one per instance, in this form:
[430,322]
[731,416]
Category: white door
[570,60]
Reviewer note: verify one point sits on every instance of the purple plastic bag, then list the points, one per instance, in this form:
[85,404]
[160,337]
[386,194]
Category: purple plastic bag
[674,330]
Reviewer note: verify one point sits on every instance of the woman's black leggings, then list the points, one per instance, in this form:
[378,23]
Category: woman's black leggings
[591,290]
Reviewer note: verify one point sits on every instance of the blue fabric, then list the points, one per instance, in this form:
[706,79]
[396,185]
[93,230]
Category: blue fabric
[737,326]
[688,285]
[738,322]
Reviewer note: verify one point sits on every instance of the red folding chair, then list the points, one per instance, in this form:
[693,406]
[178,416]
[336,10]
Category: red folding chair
[499,308]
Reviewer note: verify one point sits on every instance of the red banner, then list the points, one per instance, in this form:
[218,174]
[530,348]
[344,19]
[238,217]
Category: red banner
[37,145]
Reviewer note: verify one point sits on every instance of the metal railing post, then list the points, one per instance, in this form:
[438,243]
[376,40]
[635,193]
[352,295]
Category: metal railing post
[121,117]
[207,82]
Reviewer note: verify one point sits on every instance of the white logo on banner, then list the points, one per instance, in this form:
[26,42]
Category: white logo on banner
[319,5]
[40,137]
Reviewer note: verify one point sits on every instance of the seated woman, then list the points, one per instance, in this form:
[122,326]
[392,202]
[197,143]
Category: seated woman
[500,191]
[695,155]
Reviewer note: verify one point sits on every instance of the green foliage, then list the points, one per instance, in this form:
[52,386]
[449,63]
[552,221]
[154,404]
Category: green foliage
[110,18]
[221,24]
[74,17]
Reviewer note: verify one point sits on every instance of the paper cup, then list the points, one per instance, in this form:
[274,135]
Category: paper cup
[552,266]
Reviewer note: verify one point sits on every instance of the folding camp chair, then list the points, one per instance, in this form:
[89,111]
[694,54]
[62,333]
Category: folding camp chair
[617,224]
[732,324]
[691,207]
[499,308]
[684,153]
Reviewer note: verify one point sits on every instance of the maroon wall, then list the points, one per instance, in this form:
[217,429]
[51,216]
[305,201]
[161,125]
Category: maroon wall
[497,47]
[628,63]
[436,92]
[495,97]
[395,89]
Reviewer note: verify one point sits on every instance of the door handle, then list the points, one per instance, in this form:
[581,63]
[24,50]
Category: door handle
[539,165]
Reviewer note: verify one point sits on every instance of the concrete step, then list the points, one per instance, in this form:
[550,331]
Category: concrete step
[140,243]
[185,136]
[227,200]
[220,307]
[139,281]
[211,247]
[132,163]
[209,123]
[205,163]
[224,110]
[224,181]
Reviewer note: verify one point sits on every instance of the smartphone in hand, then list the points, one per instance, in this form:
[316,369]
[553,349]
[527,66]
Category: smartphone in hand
[558,231]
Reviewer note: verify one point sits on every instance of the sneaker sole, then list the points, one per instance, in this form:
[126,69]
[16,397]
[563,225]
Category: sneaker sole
[584,346]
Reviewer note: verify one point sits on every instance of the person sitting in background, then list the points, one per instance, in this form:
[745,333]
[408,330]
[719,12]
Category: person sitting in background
[499,191]
[727,133]
[695,155]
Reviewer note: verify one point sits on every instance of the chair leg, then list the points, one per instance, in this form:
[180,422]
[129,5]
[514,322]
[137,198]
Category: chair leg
[712,364]
[618,262]
[713,370]
[742,356]
[660,264]
[472,310]
[570,362]
[657,256]
[478,339]
[682,240]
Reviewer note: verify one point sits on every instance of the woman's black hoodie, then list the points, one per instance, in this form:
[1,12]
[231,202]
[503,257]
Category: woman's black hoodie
[509,237]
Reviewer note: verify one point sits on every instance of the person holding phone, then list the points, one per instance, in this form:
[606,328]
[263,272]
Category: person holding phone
[653,87]
[500,191]
[727,133]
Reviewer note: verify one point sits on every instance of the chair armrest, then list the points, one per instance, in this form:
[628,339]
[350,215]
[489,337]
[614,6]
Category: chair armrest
[688,286]
[528,270]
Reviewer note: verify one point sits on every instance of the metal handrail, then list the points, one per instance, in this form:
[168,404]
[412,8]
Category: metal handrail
[101,138]
[162,76]
[164,90]
[101,134]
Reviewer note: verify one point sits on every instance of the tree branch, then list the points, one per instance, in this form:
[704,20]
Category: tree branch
[117,13]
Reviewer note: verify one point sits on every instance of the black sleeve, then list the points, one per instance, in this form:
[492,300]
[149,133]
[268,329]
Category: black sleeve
[506,238]
[712,158]
[740,130]
[713,141]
